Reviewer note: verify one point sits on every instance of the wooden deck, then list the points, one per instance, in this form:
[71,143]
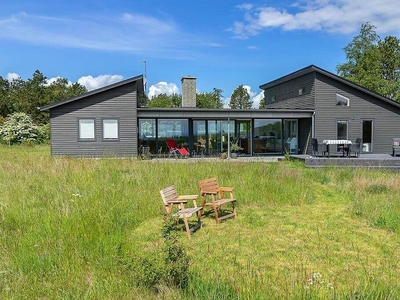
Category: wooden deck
[385,161]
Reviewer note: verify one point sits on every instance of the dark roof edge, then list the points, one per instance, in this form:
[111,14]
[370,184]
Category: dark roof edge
[93,92]
[195,109]
[313,68]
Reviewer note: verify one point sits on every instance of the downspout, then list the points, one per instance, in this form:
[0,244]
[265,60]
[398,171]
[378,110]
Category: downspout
[313,125]
[229,139]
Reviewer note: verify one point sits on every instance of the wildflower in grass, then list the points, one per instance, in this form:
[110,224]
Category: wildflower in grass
[316,282]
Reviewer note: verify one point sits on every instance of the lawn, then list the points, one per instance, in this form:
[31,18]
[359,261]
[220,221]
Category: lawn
[93,229]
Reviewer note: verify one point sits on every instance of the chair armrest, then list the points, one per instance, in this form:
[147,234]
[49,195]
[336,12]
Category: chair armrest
[188,197]
[225,189]
[177,201]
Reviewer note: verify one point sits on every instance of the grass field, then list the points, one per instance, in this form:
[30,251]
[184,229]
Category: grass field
[93,229]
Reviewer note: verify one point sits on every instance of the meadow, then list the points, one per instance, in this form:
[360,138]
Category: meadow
[95,229]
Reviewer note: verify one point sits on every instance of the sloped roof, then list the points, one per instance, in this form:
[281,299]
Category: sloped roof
[96,91]
[313,68]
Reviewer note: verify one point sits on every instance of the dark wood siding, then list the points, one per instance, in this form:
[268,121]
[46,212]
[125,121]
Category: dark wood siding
[287,94]
[119,103]
[385,116]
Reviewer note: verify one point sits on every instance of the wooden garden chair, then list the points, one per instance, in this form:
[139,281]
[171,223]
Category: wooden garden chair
[172,200]
[215,196]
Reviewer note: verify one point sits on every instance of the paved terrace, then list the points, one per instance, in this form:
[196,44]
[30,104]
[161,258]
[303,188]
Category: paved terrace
[385,161]
[218,159]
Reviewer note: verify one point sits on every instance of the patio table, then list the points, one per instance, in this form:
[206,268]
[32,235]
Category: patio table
[338,143]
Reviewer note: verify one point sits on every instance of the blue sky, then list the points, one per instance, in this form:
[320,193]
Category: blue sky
[222,43]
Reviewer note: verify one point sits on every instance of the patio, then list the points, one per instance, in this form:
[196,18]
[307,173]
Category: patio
[385,161]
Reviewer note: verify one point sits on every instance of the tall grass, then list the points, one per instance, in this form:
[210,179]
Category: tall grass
[77,228]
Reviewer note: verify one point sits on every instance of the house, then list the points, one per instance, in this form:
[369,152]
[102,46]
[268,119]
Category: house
[341,109]
[98,123]
[310,102]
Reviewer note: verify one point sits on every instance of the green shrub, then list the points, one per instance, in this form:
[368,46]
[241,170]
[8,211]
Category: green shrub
[18,128]
[171,270]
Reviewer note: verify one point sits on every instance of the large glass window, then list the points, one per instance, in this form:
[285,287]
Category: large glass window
[199,137]
[110,129]
[86,130]
[147,134]
[176,129]
[267,136]
[218,135]
[243,134]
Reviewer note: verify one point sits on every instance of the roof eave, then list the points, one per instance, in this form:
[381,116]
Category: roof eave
[94,92]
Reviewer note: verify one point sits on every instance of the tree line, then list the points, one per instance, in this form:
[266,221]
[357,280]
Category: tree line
[25,96]
[240,99]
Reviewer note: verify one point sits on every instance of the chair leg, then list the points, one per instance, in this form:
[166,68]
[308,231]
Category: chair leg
[199,213]
[187,227]
[216,213]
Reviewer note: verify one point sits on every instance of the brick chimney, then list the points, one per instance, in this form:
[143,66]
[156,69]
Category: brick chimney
[188,91]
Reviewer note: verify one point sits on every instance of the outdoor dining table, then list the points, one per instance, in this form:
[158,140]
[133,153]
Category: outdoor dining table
[342,143]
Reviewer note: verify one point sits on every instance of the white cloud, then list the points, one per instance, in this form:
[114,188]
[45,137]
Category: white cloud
[92,83]
[11,76]
[256,99]
[340,16]
[163,88]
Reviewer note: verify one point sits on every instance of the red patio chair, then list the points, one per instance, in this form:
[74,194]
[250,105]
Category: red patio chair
[175,150]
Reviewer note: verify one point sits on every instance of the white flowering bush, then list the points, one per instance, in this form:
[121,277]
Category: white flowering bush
[19,128]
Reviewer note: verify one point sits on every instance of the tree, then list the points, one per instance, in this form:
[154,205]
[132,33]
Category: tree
[166,101]
[389,49]
[373,63]
[240,99]
[363,61]
[262,104]
[5,101]
[143,100]
[210,100]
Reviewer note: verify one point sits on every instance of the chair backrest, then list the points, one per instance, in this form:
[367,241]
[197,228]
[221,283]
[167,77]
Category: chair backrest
[171,144]
[209,185]
[168,194]
[358,140]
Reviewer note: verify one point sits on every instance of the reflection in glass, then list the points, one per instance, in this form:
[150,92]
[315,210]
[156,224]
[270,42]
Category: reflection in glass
[267,136]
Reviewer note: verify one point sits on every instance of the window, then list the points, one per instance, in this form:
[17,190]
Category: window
[110,129]
[302,90]
[86,130]
[342,127]
[273,98]
[342,100]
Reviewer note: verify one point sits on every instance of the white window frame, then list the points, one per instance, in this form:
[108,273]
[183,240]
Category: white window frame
[110,129]
[86,129]
[342,100]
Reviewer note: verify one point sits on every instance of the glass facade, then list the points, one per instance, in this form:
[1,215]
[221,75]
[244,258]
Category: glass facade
[212,136]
